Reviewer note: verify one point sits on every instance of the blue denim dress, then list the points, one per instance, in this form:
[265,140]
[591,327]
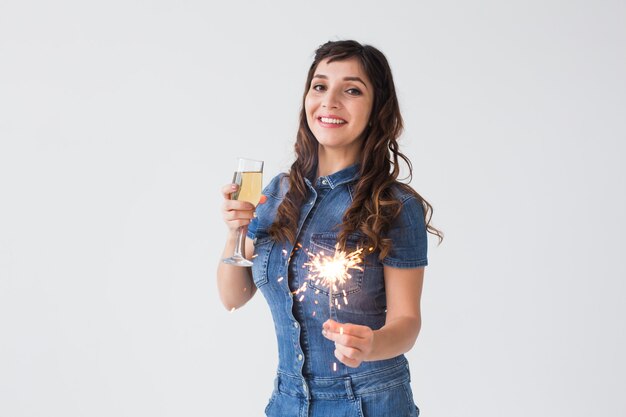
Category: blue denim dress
[310,381]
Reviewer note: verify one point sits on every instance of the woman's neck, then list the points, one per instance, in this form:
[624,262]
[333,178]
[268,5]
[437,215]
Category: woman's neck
[329,163]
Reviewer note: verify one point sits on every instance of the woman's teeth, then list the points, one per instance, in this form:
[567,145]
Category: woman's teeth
[328,120]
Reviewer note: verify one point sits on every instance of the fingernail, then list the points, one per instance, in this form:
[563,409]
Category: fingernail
[324,332]
[233,187]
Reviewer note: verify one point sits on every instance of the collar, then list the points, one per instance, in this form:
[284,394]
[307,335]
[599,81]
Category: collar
[333,180]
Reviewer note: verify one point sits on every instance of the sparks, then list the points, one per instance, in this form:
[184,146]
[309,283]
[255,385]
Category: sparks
[333,271]
[301,289]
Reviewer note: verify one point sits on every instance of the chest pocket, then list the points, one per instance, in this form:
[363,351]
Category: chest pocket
[321,248]
[262,248]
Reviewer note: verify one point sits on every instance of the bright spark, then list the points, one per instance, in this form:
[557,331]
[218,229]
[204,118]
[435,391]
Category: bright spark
[333,271]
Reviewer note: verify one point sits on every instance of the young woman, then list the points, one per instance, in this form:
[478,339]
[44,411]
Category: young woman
[343,357]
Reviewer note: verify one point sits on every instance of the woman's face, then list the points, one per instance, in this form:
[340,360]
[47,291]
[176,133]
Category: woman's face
[338,104]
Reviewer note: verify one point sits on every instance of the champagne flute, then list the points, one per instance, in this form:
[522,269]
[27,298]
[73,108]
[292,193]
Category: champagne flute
[249,178]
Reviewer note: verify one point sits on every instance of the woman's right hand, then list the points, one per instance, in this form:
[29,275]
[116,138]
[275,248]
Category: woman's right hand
[236,213]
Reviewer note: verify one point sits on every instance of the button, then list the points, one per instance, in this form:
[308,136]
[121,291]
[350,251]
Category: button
[299,356]
[324,182]
[295,324]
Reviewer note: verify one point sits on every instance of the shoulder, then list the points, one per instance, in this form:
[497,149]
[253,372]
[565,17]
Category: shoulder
[402,192]
[277,187]
[408,231]
[412,209]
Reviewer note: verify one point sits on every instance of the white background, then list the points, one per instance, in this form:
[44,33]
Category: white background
[120,120]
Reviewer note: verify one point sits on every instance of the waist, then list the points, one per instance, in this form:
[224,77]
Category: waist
[345,386]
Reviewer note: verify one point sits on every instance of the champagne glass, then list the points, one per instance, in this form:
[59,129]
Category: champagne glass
[249,178]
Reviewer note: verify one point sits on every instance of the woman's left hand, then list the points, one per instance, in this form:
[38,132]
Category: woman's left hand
[353,343]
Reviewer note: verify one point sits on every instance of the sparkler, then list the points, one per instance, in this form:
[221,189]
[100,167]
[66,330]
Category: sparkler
[333,271]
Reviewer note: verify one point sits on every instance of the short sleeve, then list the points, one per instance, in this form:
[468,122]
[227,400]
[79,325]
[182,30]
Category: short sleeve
[408,237]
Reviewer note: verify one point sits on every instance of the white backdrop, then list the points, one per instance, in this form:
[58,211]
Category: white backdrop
[120,120]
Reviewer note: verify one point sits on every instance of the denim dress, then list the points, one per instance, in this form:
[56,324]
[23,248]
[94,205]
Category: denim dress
[310,381]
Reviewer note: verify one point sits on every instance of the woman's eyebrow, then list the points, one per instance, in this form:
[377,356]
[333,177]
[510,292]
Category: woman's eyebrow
[353,78]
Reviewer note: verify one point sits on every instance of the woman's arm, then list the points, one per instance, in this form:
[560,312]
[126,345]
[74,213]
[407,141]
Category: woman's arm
[355,343]
[234,283]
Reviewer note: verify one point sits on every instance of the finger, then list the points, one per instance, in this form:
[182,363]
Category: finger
[344,340]
[346,328]
[331,325]
[228,189]
[237,205]
[238,215]
[352,363]
[332,330]
[234,224]
[348,352]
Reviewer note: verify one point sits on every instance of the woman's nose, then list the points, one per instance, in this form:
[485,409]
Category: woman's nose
[331,101]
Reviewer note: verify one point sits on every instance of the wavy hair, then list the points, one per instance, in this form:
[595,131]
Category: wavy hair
[374,206]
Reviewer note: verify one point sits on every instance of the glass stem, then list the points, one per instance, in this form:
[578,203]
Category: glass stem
[240,247]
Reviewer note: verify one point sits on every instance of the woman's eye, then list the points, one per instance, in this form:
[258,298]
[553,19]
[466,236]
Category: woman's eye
[354,91]
[319,87]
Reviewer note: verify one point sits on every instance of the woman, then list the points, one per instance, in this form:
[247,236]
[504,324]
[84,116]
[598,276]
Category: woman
[340,349]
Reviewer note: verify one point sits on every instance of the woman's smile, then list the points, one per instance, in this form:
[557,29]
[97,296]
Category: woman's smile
[331,121]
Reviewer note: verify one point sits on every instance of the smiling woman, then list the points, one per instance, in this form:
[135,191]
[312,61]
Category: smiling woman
[342,343]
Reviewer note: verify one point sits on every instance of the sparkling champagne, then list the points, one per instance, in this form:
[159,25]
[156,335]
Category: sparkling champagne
[250,186]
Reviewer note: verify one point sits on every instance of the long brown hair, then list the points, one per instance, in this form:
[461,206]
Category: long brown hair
[374,206]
